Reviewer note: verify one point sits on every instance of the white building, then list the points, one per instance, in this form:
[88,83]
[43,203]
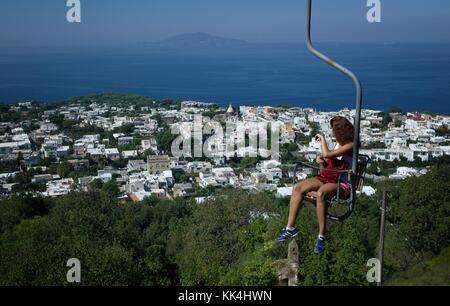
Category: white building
[272,175]
[404,172]
[198,166]
[59,187]
[284,192]
[125,141]
[207,179]
[129,153]
[62,151]
[112,153]
[270,164]
[136,165]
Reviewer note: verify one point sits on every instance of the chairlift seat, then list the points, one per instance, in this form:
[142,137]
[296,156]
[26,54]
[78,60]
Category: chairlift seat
[339,198]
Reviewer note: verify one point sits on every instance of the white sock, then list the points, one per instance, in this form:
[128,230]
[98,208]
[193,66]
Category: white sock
[321,237]
[290,228]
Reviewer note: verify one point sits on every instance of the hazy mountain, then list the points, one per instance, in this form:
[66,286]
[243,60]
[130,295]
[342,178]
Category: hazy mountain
[199,40]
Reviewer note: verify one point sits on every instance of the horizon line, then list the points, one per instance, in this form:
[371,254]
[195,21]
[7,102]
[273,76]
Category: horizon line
[149,44]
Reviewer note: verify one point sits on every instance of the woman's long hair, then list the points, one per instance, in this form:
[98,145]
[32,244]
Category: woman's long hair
[343,130]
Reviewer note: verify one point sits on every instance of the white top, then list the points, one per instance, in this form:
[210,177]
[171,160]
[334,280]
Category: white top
[346,158]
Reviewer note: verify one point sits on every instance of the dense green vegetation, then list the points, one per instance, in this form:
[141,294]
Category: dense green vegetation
[375,145]
[435,271]
[443,131]
[228,240]
[114,99]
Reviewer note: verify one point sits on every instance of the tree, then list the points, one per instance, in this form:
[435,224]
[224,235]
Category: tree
[398,123]
[229,240]
[127,128]
[248,162]
[46,162]
[443,131]
[96,184]
[68,124]
[158,266]
[376,145]
[419,217]
[395,109]
[64,169]
[315,129]
[373,168]
[111,266]
[151,200]
[209,114]
[291,147]
[386,119]
[302,138]
[57,119]
[251,272]
[181,177]
[158,119]
[165,140]
[211,236]
[110,188]
[23,181]
[19,159]
[18,208]
[432,272]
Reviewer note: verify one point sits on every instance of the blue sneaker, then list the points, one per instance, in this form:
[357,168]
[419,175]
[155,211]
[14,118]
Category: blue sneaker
[320,245]
[286,233]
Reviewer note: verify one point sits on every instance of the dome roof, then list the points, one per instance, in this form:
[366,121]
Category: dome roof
[230,109]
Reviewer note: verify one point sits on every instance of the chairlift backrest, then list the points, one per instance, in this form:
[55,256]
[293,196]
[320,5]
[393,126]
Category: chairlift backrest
[363,160]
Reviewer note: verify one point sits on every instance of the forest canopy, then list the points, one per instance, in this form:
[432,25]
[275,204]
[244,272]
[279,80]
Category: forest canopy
[229,240]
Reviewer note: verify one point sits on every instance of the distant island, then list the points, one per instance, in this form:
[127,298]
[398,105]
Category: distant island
[199,39]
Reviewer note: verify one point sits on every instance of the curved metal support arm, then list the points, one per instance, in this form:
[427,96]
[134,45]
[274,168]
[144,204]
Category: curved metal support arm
[347,72]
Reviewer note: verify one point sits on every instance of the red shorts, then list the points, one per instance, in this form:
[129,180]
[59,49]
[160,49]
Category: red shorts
[345,187]
[326,180]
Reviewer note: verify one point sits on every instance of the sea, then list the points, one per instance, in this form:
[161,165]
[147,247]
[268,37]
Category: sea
[413,76]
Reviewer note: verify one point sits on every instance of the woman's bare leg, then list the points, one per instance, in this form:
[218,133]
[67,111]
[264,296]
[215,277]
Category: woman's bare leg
[298,191]
[323,194]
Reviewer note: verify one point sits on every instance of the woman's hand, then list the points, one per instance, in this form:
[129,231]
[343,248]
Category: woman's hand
[320,160]
[320,138]
[323,145]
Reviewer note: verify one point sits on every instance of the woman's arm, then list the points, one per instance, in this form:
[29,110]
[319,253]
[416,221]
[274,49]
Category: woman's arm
[327,153]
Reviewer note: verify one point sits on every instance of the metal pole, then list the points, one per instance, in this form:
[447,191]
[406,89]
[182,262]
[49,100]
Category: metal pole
[382,223]
[346,72]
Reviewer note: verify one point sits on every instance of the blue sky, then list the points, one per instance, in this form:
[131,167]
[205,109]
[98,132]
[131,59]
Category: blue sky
[43,23]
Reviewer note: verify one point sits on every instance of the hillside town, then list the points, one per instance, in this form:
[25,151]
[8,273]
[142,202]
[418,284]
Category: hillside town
[62,148]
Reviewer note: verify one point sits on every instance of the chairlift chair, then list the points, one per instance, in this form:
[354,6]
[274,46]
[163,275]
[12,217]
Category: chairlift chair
[340,208]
